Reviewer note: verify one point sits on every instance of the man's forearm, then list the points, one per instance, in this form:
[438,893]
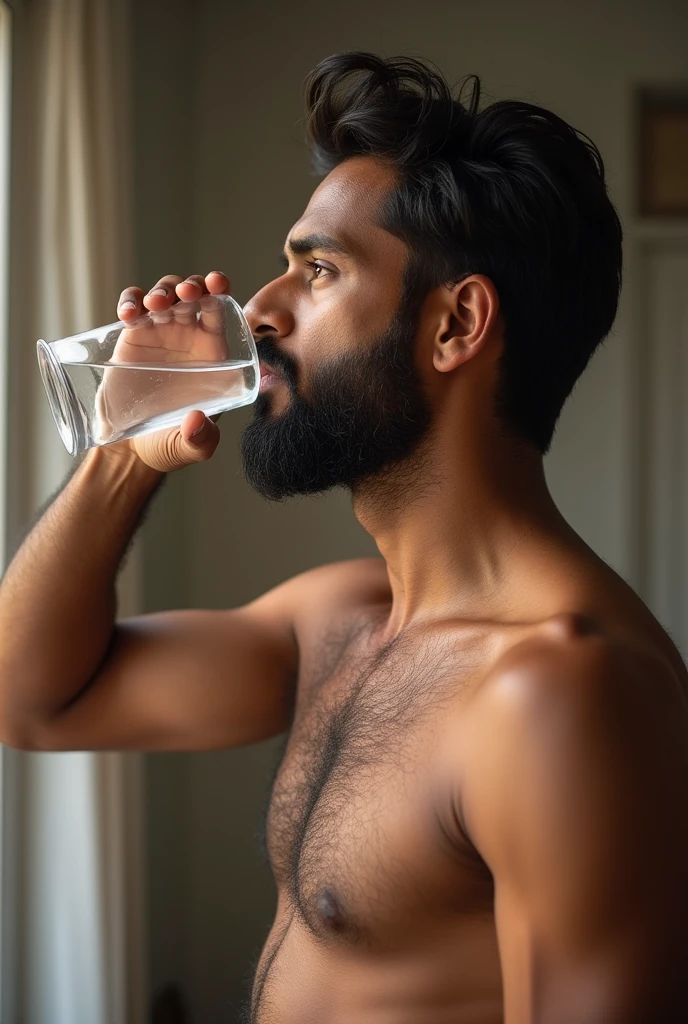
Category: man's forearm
[58,598]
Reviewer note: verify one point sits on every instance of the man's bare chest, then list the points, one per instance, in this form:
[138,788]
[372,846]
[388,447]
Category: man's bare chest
[353,825]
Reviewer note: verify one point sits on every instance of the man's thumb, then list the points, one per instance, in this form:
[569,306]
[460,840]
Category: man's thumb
[202,440]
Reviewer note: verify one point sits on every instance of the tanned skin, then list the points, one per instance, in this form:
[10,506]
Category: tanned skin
[480,814]
[471,801]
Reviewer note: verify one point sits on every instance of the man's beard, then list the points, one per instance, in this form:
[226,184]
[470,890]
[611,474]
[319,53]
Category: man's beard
[364,421]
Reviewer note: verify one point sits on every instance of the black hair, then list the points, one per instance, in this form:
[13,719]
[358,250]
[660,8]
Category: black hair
[512,192]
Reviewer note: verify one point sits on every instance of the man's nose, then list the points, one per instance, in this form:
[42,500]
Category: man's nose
[265,315]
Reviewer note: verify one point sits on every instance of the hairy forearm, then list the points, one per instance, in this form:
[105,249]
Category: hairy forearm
[58,598]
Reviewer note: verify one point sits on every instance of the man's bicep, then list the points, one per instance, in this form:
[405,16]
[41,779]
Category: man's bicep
[575,793]
[189,679]
[195,680]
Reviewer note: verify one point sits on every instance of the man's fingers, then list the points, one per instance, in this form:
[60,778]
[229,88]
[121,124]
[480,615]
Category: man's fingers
[212,309]
[134,302]
[196,287]
[191,288]
[130,304]
[162,294]
[213,314]
[185,312]
[218,283]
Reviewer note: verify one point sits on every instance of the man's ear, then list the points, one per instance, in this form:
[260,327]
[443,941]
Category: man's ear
[471,308]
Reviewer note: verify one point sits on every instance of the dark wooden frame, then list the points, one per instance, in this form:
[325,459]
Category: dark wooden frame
[652,106]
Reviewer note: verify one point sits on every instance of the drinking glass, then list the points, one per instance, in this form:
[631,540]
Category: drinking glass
[129,379]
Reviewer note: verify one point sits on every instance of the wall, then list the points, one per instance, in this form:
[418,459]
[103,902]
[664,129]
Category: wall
[164,63]
[223,176]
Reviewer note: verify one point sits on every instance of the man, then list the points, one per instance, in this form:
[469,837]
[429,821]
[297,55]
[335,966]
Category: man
[480,814]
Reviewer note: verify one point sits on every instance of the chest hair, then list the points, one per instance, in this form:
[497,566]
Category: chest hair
[359,714]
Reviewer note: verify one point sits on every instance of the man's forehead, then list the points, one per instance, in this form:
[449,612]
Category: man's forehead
[346,203]
[357,180]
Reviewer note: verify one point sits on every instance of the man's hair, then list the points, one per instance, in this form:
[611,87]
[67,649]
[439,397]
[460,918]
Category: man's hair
[512,192]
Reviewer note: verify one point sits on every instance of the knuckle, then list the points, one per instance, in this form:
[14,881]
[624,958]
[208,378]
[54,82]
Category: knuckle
[170,449]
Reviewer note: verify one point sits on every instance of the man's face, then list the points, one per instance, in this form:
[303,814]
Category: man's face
[338,330]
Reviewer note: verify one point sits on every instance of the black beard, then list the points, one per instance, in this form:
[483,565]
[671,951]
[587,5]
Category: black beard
[367,416]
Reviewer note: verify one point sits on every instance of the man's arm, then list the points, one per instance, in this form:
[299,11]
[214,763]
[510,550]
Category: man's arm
[57,596]
[72,678]
[574,790]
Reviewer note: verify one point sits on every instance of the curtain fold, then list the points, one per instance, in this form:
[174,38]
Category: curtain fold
[75,936]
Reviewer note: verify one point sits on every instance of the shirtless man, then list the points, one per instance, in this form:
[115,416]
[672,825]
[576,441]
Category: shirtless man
[481,812]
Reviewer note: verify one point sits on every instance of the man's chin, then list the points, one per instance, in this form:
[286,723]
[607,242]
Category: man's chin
[280,490]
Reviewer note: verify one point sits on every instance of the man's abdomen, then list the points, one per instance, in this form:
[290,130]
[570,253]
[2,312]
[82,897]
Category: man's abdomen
[450,977]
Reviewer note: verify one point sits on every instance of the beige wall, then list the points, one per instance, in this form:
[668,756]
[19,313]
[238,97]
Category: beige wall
[222,174]
[164,74]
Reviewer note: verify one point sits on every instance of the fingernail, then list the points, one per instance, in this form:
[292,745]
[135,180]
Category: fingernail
[158,291]
[199,430]
[127,305]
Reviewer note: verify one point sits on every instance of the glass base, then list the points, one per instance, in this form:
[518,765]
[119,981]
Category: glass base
[63,401]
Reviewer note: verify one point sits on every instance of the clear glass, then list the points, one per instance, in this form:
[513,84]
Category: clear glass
[126,380]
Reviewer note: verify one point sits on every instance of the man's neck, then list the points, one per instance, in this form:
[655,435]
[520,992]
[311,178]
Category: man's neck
[465,533]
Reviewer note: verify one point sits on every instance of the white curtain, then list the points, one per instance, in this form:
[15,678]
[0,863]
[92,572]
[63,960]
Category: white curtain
[663,269]
[73,928]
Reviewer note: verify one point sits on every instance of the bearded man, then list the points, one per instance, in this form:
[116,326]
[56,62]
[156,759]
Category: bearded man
[480,812]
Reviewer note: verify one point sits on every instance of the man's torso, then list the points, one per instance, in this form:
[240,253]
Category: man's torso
[385,910]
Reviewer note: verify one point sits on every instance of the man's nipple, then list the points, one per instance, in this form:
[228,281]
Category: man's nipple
[330,911]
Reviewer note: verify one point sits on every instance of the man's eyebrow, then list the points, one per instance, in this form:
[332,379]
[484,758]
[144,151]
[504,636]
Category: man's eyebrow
[308,243]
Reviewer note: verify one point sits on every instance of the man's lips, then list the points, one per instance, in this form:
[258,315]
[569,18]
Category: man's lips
[268,376]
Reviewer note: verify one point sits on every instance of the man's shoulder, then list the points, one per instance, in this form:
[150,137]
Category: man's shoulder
[570,685]
[327,591]
[350,576]
[572,655]
[569,701]
[570,660]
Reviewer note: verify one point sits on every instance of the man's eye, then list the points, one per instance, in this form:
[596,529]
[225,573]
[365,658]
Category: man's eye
[315,266]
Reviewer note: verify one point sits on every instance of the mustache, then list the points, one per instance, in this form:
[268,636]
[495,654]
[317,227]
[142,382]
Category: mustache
[270,353]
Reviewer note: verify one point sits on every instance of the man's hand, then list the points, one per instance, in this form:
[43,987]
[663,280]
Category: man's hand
[175,336]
